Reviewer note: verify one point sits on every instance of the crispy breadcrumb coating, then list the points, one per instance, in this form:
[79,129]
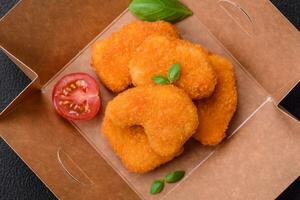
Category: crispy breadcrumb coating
[157,53]
[216,111]
[132,146]
[167,114]
[110,56]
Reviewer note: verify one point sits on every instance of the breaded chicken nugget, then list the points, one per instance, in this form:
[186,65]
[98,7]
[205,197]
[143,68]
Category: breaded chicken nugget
[157,53]
[216,112]
[167,114]
[110,57]
[132,146]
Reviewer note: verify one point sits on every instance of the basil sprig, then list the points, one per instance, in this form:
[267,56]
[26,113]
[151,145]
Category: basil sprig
[161,80]
[155,10]
[173,75]
[157,186]
[174,177]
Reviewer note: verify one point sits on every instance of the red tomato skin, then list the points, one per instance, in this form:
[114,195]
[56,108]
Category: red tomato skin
[96,101]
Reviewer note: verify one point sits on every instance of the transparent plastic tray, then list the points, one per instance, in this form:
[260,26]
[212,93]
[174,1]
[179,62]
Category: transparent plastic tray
[250,98]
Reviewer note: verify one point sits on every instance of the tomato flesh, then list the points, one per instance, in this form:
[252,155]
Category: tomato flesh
[76,97]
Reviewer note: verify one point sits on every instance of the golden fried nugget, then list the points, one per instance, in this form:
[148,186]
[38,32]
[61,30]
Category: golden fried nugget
[132,146]
[216,112]
[167,114]
[157,53]
[110,57]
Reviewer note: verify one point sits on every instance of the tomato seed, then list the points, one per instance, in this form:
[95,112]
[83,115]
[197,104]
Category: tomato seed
[73,86]
[74,112]
[83,83]
[66,102]
[65,92]
[77,83]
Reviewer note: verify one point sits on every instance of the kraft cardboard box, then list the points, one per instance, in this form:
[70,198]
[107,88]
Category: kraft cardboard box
[260,158]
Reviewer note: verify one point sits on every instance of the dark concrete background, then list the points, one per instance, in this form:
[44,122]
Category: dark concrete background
[16,179]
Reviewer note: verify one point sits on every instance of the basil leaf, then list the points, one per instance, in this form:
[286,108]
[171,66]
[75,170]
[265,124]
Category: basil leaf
[174,176]
[155,10]
[157,186]
[159,79]
[174,73]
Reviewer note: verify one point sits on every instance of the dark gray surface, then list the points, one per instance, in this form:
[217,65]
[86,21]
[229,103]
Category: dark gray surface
[12,81]
[290,9]
[16,179]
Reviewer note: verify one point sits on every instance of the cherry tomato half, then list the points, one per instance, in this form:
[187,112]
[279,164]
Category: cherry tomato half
[76,97]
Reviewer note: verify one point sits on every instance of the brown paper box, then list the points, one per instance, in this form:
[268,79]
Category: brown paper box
[258,160]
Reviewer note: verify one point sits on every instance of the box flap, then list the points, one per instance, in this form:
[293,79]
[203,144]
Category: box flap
[257,34]
[46,35]
[47,152]
[32,87]
[33,35]
[258,162]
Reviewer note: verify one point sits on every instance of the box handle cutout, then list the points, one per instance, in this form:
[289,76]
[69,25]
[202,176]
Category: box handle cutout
[72,169]
[238,15]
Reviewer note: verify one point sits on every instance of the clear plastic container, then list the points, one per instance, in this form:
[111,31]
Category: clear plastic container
[250,98]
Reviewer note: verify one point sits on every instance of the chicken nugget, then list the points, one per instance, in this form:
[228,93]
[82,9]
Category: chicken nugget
[111,56]
[132,146]
[167,114]
[216,111]
[157,53]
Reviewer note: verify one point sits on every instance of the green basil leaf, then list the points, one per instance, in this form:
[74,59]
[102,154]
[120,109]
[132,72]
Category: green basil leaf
[157,186]
[159,79]
[174,73]
[174,176]
[155,10]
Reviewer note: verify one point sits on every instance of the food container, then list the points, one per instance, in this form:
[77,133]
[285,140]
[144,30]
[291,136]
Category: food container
[76,161]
